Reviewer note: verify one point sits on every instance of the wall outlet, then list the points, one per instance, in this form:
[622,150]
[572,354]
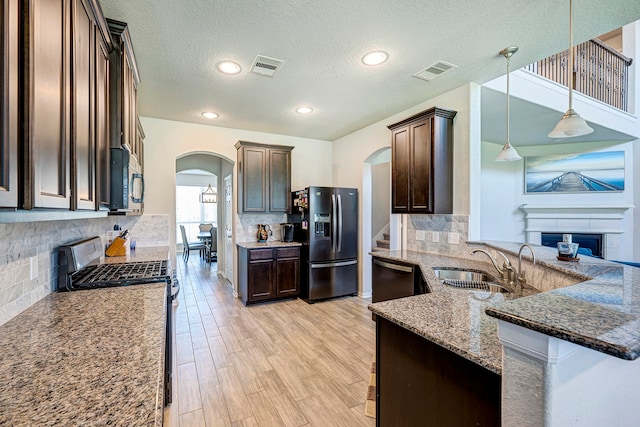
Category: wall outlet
[249,229]
[33,268]
[420,235]
[435,236]
[454,238]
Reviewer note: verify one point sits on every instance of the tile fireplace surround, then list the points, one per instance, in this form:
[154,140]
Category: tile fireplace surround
[605,220]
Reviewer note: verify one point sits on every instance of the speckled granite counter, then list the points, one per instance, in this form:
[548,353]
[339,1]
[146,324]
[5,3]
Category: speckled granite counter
[601,313]
[267,244]
[452,318]
[87,358]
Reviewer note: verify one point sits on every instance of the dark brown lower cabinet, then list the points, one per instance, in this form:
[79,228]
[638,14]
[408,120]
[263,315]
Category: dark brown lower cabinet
[266,274]
[419,383]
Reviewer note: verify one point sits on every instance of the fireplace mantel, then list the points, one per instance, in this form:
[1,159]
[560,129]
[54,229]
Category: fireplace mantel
[559,211]
[606,220]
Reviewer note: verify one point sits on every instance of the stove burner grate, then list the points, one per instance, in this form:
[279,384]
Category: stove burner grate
[129,273]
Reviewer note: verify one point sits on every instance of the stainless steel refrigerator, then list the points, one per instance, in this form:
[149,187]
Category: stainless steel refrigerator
[326,222]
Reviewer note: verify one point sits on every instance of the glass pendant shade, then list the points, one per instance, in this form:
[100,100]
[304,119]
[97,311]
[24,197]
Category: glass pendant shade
[571,124]
[209,195]
[508,154]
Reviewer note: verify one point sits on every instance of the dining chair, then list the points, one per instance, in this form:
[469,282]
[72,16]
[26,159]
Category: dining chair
[190,246]
[212,245]
[205,227]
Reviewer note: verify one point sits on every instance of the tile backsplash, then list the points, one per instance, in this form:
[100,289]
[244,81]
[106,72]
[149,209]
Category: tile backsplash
[440,234]
[29,249]
[250,221]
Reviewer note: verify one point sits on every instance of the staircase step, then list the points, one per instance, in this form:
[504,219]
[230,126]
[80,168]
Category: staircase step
[386,236]
[385,244]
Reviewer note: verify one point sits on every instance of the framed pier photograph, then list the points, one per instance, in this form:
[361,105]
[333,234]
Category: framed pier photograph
[575,173]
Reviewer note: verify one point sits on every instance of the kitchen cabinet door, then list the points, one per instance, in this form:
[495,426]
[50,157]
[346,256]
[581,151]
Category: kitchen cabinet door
[422,163]
[264,177]
[102,120]
[83,142]
[253,171]
[124,80]
[287,272]
[9,104]
[400,144]
[47,112]
[279,180]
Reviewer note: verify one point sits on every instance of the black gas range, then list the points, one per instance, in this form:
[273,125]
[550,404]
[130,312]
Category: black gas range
[80,268]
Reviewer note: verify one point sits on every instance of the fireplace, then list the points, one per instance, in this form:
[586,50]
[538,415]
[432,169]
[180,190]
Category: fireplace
[590,244]
[604,221]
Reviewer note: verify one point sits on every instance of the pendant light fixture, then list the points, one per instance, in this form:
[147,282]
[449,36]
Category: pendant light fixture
[571,124]
[209,195]
[508,153]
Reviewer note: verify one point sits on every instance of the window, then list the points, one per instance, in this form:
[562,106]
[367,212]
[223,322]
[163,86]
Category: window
[191,213]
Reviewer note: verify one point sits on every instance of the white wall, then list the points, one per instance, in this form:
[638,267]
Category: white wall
[502,192]
[167,140]
[351,151]
[381,196]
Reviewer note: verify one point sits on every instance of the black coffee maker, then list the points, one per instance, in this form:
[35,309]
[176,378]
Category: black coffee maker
[287,232]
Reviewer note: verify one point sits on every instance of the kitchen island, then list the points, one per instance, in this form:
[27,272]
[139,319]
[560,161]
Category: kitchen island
[592,315]
[92,357]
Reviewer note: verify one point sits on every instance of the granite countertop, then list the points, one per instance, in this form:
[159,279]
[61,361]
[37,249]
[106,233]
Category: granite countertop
[267,244]
[452,318]
[93,357]
[601,313]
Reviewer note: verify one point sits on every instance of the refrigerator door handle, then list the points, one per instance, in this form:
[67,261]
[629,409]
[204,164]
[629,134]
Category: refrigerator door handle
[334,264]
[334,230]
[339,223]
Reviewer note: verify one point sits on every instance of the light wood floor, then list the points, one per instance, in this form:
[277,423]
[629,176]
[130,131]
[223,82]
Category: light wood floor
[285,363]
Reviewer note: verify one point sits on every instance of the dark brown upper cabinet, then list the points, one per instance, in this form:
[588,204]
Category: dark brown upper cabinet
[124,89]
[103,144]
[47,107]
[9,103]
[61,115]
[422,163]
[264,177]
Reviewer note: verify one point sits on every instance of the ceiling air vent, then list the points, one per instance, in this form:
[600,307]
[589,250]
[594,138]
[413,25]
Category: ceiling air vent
[266,66]
[434,70]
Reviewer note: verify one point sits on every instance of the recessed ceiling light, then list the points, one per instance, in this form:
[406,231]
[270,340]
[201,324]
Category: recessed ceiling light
[228,67]
[304,110]
[375,58]
[209,115]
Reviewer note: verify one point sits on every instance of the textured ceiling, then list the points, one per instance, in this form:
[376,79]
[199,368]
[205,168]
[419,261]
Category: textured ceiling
[178,43]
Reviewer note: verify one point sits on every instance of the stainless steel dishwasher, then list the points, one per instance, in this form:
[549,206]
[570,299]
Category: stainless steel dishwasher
[395,279]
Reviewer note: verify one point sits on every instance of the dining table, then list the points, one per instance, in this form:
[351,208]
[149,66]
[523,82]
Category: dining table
[204,236]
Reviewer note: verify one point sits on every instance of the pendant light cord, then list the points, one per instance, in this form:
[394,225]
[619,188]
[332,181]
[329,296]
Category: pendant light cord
[570,65]
[508,61]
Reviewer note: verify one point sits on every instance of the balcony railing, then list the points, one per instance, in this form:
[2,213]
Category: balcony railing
[599,71]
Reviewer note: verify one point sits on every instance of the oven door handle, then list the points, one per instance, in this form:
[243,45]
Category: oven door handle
[175,284]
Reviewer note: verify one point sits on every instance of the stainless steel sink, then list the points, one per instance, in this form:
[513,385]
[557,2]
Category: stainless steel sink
[467,279]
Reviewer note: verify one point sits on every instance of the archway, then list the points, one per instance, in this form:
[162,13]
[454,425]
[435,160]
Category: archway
[376,207]
[200,169]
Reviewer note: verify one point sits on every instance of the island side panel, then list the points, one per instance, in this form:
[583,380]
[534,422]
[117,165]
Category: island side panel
[419,383]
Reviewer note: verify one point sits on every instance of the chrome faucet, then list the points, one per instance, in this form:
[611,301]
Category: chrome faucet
[506,271]
[520,279]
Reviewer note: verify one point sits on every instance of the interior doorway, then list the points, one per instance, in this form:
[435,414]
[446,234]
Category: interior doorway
[198,175]
[376,209]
